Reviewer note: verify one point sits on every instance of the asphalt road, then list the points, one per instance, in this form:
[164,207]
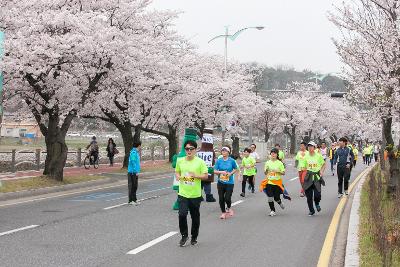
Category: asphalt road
[96,229]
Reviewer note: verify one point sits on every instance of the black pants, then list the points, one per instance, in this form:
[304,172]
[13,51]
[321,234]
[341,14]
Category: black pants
[111,157]
[274,193]
[132,186]
[251,183]
[311,193]
[191,205]
[376,156]
[343,178]
[368,159]
[95,155]
[225,195]
[354,163]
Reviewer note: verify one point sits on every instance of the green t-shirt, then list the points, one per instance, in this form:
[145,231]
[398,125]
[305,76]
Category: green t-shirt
[190,187]
[272,167]
[301,162]
[246,162]
[281,155]
[314,162]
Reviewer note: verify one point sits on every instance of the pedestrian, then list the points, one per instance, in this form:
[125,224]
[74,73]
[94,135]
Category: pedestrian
[364,154]
[225,168]
[331,157]
[111,150]
[300,163]
[249,171]
[344,157]
[313,180]
[377,148]
[368,153]
[190,171]
[133,172]
[272,186]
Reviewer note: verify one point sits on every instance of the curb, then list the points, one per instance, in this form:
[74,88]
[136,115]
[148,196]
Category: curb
[352,258]
[327,248]
[62,188]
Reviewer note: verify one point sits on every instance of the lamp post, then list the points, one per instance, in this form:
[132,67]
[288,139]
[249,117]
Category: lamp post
[232,37]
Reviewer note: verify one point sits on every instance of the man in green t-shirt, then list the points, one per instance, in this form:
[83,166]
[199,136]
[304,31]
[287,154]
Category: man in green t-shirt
[312,182]
[249,171]
[301,165]
[190,171]
[281,154]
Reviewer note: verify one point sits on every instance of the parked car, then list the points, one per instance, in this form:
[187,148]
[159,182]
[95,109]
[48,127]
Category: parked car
[155,137]
[73,134]
[111,136]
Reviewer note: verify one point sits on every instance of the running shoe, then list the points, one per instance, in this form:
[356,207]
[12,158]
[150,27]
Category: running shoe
[223,216]
[302,194]
[339,195]
[193,241]
[346,192]
[184,241]
[311,213]
[281,205]
[272,214]
[130,203]
[230,212]
[135,203]
[318,208]
[242,194]
[252,190]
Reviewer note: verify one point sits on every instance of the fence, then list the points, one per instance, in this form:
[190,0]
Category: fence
[12,161]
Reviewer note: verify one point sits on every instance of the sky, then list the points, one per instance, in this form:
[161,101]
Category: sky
[297,32]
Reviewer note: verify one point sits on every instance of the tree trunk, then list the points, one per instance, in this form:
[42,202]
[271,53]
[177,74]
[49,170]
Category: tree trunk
[138,131]
[394,179]
[235,147]
[57,150]
[172,142]
[267,135]
[127,138]
[293,141]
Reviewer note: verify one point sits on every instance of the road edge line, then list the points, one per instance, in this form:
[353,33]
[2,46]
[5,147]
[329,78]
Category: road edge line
[326,251]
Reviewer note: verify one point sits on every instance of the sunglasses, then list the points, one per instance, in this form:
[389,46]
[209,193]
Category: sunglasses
[190,148]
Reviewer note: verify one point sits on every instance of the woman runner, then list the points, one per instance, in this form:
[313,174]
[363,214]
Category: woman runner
[249,171]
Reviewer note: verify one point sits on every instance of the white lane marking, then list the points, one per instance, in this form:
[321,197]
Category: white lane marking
[295,178]
[151,243]
[237,203]
[155,190]
[19,229]
[75,193]
[124,204]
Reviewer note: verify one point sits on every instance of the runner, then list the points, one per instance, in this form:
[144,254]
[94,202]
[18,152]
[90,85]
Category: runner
[225,168]
[323,150]
[368,153]
[377,148]
[331,156]
[313,180]
[281,154]
[364,154]
[190,171]
[301,165]
[355,152]
[255,155]
[344,157]
[249,171]
[272,185]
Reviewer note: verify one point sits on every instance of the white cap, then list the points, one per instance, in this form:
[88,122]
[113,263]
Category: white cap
[312,144]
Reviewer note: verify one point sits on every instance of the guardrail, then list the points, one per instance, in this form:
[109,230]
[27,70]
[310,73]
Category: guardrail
[14,160]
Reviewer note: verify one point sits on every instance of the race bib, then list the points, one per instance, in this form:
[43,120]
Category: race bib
[224,178]
[312,165]
[272,175]
[187,181]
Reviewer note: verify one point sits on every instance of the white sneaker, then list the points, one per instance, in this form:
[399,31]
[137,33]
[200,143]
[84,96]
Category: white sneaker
[339,195]
[346,192]
[272,213]
[135,203]
[282,206]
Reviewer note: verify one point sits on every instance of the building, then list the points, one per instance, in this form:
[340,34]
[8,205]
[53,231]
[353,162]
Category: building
[20,129]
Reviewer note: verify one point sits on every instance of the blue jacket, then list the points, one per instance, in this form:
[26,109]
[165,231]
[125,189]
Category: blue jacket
[343,156]
[134,161]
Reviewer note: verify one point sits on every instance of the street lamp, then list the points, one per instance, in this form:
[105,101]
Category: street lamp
[232,37]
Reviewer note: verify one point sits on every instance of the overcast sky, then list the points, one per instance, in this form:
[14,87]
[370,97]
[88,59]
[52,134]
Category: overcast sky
[297,32]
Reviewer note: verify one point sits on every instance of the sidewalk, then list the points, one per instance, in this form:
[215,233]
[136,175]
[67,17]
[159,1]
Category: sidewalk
[71,171]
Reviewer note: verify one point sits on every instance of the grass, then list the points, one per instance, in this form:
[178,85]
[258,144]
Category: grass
[368,250]
[40,182]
